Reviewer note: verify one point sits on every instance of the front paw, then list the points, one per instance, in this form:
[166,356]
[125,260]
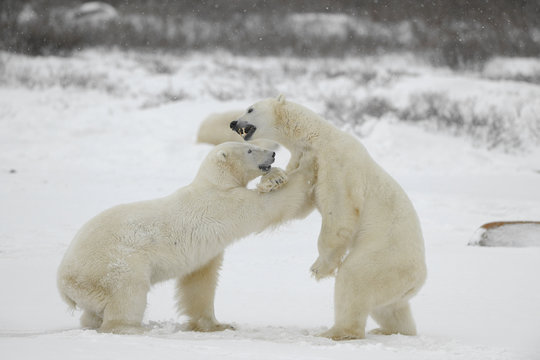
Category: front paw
[322,269]
[273,180]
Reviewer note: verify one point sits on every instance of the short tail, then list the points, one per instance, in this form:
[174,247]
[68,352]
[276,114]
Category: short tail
[69,301]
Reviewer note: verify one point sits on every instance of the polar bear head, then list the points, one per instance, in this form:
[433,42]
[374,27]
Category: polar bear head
[279,120]
[259,120]
[235,164]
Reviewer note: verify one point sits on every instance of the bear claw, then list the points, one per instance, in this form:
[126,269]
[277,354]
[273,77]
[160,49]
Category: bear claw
[321,269]
[273,180]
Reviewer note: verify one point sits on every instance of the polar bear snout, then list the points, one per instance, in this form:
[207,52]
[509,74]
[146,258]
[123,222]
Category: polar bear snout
[265,166]
[243,128]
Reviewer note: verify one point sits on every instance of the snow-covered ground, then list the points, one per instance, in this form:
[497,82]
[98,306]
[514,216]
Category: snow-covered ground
[78,135]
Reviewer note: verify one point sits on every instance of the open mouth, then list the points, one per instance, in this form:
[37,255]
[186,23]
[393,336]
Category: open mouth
[246,131]
[265,168]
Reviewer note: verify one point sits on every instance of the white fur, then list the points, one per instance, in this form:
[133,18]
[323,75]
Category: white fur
[215,130]
[370,237]
[117,256]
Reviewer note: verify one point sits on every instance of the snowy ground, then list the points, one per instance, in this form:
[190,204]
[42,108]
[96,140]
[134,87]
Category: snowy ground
[70,151]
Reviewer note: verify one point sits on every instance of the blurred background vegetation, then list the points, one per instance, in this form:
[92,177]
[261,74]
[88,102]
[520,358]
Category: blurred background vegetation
[457,33]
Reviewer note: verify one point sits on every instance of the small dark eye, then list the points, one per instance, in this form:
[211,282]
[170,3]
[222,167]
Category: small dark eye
[250,110]
[249,151]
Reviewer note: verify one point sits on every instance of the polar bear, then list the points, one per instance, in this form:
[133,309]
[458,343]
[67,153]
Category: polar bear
[118,255]
[370,237]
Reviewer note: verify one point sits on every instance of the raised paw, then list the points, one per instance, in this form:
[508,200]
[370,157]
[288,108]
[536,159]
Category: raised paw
[322,269]
[272,180]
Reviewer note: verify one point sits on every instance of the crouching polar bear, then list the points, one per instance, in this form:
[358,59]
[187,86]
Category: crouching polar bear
[370,237]
[114,259]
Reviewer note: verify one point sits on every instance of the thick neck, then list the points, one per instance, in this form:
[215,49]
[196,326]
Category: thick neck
[222,179]
[299,127]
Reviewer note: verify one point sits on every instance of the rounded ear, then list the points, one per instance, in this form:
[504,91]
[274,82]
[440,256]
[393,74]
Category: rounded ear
[221,155]
[281,99]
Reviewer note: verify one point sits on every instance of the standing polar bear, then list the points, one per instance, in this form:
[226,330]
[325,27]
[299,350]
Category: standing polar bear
[370,237]
[118,255]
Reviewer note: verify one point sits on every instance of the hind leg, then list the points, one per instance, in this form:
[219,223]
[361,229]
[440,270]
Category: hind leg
[394,319]
[195,295]
[90,320]
[350,323]
[351,306]
[124,312]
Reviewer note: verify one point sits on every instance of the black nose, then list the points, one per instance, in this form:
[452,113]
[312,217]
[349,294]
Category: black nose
[274,154]
[233,124]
